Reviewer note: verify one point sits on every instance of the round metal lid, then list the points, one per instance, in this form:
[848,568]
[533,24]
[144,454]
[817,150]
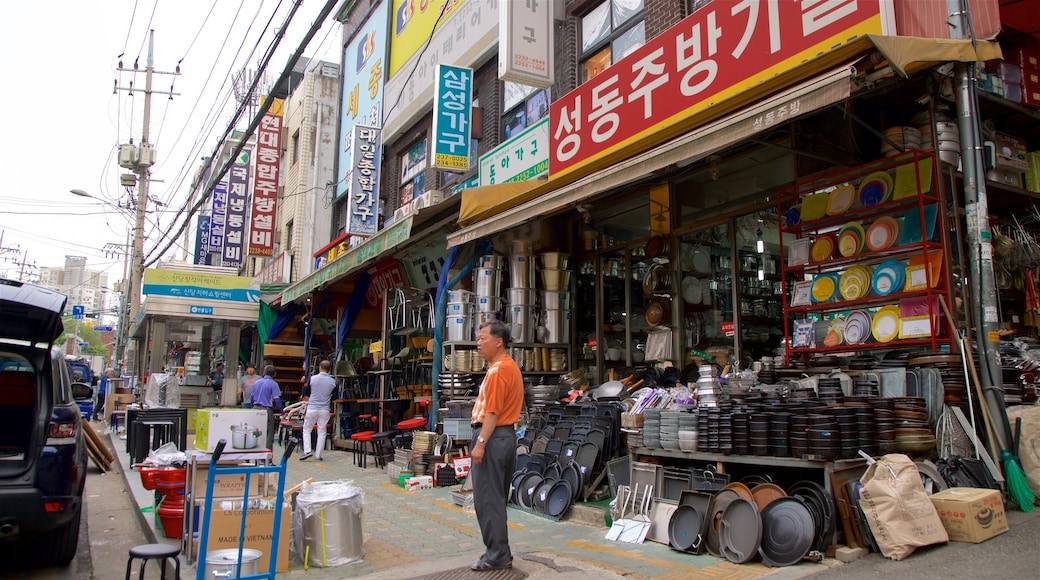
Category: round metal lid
[740,531]
[684,528]
[788,532]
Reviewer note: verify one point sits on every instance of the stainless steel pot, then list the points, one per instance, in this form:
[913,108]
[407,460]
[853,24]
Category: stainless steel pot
[245,436]
[223,563]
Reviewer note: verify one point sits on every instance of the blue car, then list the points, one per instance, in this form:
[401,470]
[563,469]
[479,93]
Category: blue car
[43,456]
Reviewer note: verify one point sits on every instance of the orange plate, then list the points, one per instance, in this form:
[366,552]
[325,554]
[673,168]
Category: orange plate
[823,248]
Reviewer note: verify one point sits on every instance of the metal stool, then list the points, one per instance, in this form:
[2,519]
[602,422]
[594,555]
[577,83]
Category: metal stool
[380,445]
[160,552]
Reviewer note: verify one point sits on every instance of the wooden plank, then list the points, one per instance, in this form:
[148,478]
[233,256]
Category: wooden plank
[99,443]
[95,456]
[283,350]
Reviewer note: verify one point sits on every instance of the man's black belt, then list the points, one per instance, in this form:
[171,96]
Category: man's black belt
[476,425]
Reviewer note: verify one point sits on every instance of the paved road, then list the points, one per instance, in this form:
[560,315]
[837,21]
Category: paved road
[408,535]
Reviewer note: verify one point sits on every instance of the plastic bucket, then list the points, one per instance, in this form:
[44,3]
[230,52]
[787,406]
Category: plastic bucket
[487,281]
[520,296]
[556,300]
[171,514]
[557,326]
[459,328]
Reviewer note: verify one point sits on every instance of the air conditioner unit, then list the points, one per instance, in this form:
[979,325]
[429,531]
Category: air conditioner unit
[128,156]
[146,157]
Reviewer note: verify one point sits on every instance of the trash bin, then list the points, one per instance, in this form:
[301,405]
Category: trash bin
[327,523]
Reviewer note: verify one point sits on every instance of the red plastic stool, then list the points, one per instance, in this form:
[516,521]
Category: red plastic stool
[360,439]
[412,424]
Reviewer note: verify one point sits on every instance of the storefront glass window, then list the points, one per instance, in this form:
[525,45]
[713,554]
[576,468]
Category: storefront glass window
[616,23]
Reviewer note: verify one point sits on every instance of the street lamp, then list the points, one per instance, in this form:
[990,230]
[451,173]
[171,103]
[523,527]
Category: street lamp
[134,285]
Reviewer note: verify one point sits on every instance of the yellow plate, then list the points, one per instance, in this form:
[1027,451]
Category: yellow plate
[824,287]
[814,206]
[841,200]
[855,282]
[848,243]
[822,248]
[885,325]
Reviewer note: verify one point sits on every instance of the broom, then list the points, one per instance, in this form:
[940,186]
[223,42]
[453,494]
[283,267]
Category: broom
[1017,486]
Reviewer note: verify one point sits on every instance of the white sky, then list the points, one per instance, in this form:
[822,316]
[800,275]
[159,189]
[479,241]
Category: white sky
[63,123]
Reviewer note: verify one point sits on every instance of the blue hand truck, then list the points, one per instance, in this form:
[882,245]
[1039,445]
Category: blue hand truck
[248,471]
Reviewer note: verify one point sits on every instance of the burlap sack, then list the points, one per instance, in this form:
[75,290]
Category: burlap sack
[900,515]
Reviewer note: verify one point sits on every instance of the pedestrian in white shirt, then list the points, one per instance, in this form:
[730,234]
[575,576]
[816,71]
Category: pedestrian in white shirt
[323,385]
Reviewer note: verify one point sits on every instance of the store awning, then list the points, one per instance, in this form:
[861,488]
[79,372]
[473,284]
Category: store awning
[907,54]
[371,250]
[810,95]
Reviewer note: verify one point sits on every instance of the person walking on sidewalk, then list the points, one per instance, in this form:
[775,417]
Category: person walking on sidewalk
[322,386]
[266,394]
[493,451]
[245,387]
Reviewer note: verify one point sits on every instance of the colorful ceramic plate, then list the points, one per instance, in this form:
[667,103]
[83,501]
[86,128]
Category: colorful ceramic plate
[882,233]
[857,327]
[875,188]
[885,325]
[855,282]
[814,206]
[841,200]
[825,287]
[793,216]
[823,247]
[889,276]
[851,239]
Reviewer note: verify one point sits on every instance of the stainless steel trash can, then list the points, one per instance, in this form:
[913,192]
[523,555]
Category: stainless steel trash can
[331,523]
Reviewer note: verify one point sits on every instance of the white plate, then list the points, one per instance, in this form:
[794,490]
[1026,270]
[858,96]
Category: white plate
[700,260]
[691,290]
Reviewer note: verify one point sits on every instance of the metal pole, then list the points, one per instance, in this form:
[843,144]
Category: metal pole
[137,272]
[982,287]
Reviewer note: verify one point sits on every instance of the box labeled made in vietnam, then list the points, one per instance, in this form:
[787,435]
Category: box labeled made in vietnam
[461,465]
[223,534]
[244,429]
[970,514]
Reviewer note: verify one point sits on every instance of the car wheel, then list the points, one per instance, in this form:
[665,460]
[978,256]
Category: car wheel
[59,546]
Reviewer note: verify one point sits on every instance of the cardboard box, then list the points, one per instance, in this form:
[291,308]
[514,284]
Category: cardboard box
[1010,152]
[461,466]
[212,425]
[223,534]
[418,482]
[229,486]
[970,514]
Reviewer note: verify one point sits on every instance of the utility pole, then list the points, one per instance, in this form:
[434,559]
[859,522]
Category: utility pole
[141,163]
[123,321]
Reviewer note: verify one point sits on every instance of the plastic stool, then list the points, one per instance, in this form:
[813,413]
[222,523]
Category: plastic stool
[359,440]
[160,552]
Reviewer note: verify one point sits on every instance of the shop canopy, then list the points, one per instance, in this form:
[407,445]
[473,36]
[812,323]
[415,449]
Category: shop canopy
[491,209]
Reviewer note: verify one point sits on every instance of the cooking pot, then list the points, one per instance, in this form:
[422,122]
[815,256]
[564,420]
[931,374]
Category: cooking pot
[245,436]
[223,563]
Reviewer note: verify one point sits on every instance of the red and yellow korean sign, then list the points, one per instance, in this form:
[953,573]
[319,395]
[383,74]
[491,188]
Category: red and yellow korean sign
[715,53]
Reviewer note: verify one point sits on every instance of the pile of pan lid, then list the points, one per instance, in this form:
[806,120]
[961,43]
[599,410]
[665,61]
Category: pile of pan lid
[453,385]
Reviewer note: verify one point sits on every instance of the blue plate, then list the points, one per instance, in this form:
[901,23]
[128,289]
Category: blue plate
[793,216]
[889,277]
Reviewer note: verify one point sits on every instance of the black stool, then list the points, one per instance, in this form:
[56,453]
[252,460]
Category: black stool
[160,552]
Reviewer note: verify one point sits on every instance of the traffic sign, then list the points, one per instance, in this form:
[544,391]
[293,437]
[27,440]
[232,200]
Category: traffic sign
[78,312]
[83,344]
[102,329]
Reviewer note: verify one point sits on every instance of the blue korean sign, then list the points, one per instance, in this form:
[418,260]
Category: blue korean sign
[364,64]
[200,309]
[102,329]
[452,115]
[78,312]
[363,216]
[218,220]
[202,241]
[237,198]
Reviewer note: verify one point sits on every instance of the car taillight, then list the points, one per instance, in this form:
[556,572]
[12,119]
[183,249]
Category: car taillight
[63,430]
[53,506]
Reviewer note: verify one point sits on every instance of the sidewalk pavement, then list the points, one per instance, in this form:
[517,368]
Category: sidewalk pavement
[423,534]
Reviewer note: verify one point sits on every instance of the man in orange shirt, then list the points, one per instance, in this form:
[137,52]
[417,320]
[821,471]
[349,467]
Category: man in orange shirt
[493,451]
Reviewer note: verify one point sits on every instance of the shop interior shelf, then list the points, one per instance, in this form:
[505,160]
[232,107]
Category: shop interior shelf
[860,303]
[897,343]
[831,223]
[866,257]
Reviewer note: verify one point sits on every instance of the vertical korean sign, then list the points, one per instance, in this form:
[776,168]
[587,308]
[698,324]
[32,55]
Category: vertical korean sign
[526,53]
[363,209]
[237,198]
[218,222]
[720,51]
[452,112]
[265,182]
[202,241]
[364,61]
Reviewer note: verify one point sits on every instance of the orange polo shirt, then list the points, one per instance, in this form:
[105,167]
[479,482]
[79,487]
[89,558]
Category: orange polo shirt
[501,393]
